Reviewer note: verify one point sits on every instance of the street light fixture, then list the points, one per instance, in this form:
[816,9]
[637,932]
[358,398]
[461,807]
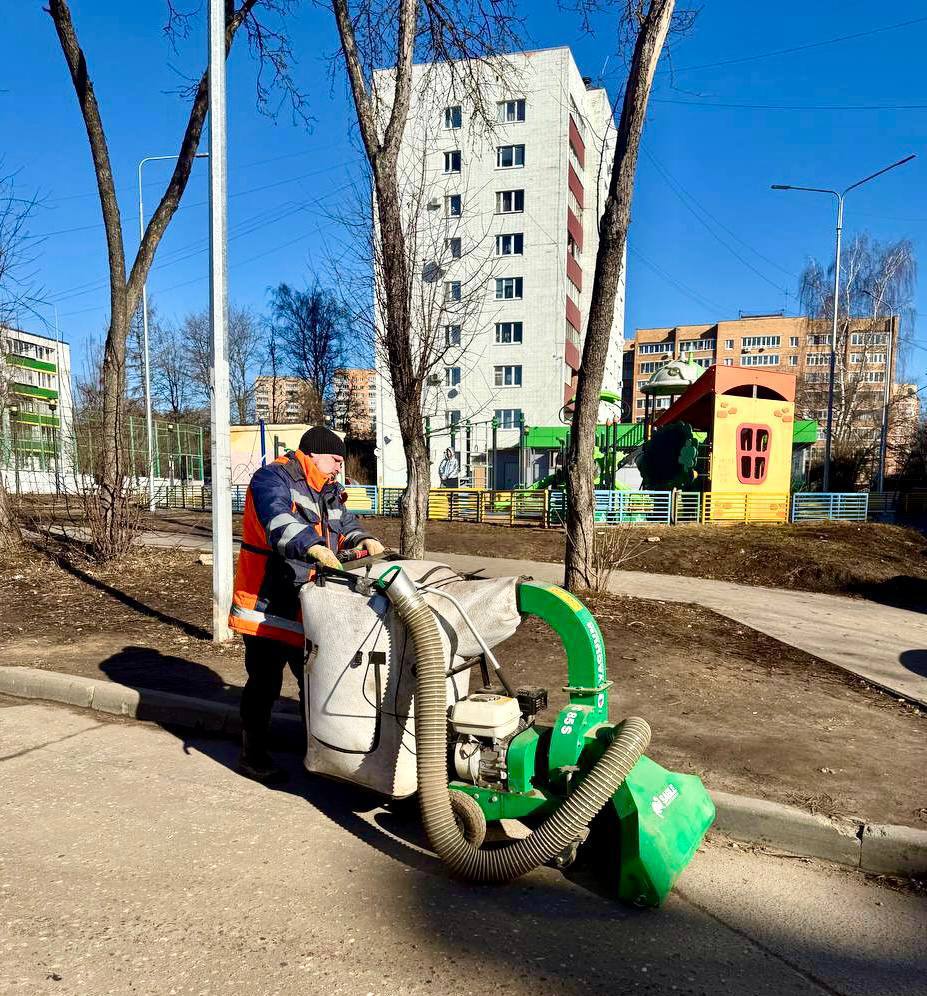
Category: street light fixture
[833,335]
[53,408]
[148,418]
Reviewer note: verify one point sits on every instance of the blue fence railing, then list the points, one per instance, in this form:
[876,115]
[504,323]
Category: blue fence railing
[808,506]
[520,507]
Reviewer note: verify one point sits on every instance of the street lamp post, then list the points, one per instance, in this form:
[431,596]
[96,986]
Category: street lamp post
[53,407]
[13,417]
[833,335]
[149,425]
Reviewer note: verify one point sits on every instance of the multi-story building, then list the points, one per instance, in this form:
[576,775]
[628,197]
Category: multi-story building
[37,427]
[282,399]
[796,345]
[354,401]
[506,215]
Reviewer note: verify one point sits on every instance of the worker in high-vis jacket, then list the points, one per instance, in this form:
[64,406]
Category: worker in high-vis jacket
[295,518]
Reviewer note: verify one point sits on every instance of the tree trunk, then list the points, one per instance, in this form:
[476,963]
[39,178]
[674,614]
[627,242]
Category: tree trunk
[580,469]
[10,535]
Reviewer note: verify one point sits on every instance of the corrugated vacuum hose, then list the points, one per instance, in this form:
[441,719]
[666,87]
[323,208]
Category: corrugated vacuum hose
[559,830]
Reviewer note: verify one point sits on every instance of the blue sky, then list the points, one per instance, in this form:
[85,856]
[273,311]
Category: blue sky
[708,237]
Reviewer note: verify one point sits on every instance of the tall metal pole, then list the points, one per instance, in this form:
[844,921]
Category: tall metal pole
[833,339]
[218,314]
[833,351]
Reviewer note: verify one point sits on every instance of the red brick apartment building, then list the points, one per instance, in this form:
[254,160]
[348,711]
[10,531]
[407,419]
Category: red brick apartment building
[793,345]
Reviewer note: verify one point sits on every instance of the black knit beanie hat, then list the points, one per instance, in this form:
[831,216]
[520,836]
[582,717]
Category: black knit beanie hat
[318,439]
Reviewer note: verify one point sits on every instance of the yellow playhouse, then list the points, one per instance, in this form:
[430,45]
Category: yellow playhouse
[748,417]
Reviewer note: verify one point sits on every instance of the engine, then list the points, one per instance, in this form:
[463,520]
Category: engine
[484,724]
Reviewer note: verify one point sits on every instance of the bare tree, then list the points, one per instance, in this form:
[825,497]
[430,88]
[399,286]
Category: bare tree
[644,25]
[16,295]
[878,281]
[461,38]
[312,328]
[272,50]
[172,387]
[245,348]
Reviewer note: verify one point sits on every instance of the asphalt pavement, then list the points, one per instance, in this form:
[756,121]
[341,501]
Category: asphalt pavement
[135,861]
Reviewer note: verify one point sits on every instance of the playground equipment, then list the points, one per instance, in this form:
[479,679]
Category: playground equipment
[733,430]
[391,709]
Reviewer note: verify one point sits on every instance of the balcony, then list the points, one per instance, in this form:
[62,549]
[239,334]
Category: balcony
[576,186]
[574,272]
[575,228]
[571,356]
[18,360]
[576,141]
[573,315]
[28,391]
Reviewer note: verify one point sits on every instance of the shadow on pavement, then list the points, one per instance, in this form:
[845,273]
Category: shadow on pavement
[147,668]
[900,592]
[915,661]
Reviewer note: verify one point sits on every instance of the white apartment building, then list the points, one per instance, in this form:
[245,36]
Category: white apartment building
[37,417]
[506,233]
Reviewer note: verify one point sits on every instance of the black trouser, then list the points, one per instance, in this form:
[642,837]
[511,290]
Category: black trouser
[265,661]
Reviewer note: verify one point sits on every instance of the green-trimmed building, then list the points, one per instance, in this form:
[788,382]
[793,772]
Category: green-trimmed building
[37,417]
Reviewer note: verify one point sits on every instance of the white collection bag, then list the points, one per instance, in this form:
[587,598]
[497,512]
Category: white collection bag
[361,680]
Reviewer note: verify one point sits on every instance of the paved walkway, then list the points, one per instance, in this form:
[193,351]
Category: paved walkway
[135,861]
[884,645]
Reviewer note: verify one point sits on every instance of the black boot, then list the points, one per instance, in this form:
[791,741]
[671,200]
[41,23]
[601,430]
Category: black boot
[256,763]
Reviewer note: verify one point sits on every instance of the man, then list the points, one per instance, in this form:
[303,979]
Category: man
[295,517]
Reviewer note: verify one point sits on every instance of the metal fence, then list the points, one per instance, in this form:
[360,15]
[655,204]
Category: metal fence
[809,506]
[548,508]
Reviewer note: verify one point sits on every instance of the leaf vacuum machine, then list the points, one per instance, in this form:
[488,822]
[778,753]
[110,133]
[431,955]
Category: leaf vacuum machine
[394,705]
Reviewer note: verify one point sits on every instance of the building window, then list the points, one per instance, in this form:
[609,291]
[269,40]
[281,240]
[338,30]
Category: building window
[511,110]
[572,247]
[509,418]
[640,402]
[451,376]
[574,161]
[728,361]
[453,117]
[874,376]
[759,341]
[702,361]
[507,376]
[510,156]
[510,201]
[652,366]
[868,339]
[572,290]
[452,290]
[453,247]
[508,288]
[453,417]
[793,341]
[510,245]
[793,361]
[655,347]
[728,343]
[452,161]
[693,345]
[508,332]
[760,360]
[876,358]
[752,453]
[451,335]
[453,206]
[817,359]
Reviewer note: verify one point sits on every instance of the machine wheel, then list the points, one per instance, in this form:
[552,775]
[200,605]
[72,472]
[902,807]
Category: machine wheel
[469,817]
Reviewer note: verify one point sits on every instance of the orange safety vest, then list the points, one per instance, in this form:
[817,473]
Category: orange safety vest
[290,505]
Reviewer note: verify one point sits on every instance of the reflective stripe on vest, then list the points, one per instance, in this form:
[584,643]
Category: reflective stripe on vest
[265,619]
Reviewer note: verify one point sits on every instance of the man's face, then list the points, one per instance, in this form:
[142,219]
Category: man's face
[329,464]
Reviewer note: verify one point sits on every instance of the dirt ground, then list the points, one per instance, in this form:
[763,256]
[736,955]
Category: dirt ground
[745,712]
[885,563]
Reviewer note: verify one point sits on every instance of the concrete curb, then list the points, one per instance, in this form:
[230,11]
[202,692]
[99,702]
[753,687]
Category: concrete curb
[151,705]
[882,849]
